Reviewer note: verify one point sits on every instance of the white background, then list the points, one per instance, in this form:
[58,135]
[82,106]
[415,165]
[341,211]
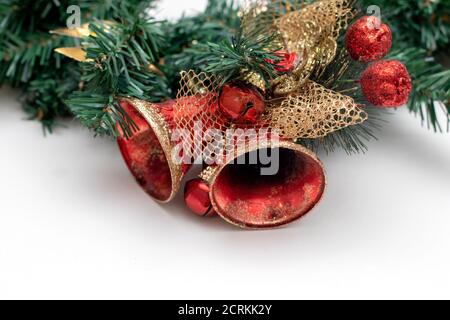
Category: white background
[73,224]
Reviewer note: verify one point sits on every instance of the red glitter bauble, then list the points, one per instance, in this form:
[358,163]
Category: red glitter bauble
[386,84]
[196,197]
[241,104]
[368,39]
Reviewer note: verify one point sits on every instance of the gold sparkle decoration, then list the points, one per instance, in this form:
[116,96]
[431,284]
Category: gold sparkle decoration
[255,79]
[154,69]
[80,32]
[78,53]
[75,53]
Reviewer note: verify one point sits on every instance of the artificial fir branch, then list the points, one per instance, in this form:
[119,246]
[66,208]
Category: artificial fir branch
[44,96]
[26,47]
[353,139]
[27,57]
[244,52]
[119,60]
[218,22]
[430,98]
[120,57]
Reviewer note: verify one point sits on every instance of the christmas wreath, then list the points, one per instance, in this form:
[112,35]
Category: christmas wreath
[251,92]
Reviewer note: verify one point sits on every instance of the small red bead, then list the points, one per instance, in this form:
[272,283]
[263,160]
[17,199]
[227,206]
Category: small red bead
[368,39]
[196,197]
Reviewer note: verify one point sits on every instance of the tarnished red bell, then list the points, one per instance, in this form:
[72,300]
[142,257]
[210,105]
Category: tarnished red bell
[196,197]
[148,153]
[247,196]
[145,156]
[368,39]
[241,104]
[287,62]
[386,84]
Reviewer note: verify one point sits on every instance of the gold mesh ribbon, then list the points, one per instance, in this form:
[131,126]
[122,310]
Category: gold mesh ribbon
[312,32]
[196,112]
[314,112]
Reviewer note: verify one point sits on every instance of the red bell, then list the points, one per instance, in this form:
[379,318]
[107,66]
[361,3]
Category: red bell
[196,197]
[245,197]
[148,152]
[240,104]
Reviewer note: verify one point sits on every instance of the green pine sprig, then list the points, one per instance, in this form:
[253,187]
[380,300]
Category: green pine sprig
[353,139]
[430,98]
[234,57]
[27,57]
[184,36]
[120,56]
[44,97]
[119,59]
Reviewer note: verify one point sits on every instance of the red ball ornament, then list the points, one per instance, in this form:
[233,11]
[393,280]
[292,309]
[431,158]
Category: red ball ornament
[240,104]
[368,39]
[386,84]
[196,197]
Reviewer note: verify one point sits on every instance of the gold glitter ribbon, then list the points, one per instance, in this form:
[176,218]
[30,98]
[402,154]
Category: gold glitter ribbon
[312,33]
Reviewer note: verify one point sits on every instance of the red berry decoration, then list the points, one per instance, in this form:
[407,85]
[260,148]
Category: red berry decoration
[386,84]
[196,197]
[287,62]
[240,104]
[368,39]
